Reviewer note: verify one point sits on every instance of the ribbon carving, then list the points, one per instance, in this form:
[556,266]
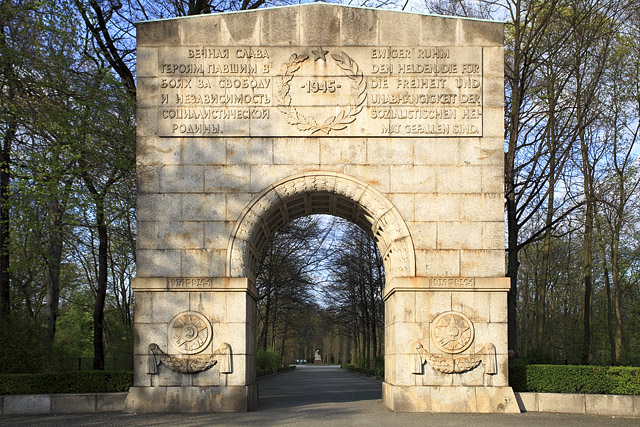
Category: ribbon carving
[190,364]
[455,364]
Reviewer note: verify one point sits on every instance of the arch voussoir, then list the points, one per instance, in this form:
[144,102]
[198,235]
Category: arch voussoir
[320,192]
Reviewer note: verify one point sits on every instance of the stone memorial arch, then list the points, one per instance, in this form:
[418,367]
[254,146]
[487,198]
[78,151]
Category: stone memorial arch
[391,120]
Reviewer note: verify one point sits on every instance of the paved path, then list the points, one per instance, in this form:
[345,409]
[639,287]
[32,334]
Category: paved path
[318,396]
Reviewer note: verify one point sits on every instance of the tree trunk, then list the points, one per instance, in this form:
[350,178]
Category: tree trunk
[617,290]
[607,286]
[265,322]
[283,341]
[5,221]
[587,252]
[5,182]
[512,273]
[54,261]
[541,291]
[101,292]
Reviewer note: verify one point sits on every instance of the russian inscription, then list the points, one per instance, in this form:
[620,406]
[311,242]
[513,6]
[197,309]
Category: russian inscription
[320,91]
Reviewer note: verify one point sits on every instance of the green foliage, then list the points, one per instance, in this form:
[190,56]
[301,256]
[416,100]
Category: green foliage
[22,349]
[75,382]
[379,365]
[378,372]
[263,372]
[119,341]
[575,379]
[268,361]
[74,328]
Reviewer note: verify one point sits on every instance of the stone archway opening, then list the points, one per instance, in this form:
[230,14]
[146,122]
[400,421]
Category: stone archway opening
[321,193]
[312,194]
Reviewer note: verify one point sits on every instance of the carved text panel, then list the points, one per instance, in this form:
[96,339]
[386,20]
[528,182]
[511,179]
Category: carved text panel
[320,91]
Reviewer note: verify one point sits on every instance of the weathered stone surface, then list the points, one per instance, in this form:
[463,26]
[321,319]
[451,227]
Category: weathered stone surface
[110,402]
[147,65]
[27,404]
[563,403]
[191,399]
[158,33]
[295,152]
[437,207]
[481,263]
[438,263]
[393,151]
[73,403]
[459,235]
[527,402]
[359,27]
[601,404]
[594,404]
[450,399]
[496,399]
[344,151]
[412,179]
[61,403]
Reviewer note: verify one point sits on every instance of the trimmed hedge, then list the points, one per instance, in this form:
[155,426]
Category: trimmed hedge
[575,379]
[72,382]
[267,360]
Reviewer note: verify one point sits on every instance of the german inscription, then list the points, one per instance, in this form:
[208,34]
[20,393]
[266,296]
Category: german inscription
[318,91]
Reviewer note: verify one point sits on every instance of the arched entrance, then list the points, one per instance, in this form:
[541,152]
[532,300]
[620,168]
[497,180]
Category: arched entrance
[318,193]
[312,193]
[321,193]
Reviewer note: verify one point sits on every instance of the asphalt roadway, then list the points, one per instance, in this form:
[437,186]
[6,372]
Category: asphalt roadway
[318,396]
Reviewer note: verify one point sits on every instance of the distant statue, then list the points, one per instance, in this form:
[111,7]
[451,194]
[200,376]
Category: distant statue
[318,359]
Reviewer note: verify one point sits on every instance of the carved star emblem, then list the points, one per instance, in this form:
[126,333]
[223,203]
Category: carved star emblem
[453,332]
[320,53]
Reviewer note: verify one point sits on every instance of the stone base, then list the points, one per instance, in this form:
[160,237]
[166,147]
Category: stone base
[317,362]
[457,399]
[192,399]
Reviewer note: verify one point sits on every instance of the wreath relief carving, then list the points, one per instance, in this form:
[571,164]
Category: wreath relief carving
[190,333]
[452,333]
[347,115]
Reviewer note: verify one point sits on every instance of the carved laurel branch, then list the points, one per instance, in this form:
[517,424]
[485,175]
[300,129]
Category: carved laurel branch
[455,364]
[189,364]
[358,95]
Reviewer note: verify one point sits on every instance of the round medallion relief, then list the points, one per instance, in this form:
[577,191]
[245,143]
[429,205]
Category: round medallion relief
[452,332]
[189,332]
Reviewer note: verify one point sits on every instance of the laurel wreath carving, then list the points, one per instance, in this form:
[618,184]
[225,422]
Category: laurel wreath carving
[456,364]
[190,364]
[453,364]
[357,97]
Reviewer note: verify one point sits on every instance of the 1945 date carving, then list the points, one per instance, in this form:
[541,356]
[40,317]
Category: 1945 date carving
[357,94]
